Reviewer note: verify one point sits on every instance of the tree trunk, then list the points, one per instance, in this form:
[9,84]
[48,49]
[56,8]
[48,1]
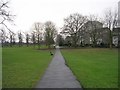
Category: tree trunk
[38,41]
[74,42]
[110,41]
[11,40]
[27,44]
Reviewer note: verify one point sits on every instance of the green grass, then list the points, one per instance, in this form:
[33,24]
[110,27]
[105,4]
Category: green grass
[94,68]
[23,66]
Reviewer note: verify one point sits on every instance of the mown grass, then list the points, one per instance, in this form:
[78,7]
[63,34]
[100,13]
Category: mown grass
[94,68]
[23,66]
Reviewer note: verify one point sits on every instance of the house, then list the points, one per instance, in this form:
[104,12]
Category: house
[116,34]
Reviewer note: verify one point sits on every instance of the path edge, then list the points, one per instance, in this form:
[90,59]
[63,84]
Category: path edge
[45,69]
[72,71]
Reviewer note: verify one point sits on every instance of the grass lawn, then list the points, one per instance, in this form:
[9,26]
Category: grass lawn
[94,68]
[23,66]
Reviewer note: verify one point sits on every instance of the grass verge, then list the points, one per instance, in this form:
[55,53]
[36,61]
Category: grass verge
[23,66]
[94,68]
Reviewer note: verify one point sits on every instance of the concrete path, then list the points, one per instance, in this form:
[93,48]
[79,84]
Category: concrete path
[58,75]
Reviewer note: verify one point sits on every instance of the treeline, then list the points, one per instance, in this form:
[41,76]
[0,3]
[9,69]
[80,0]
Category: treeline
[41,34]
[78,30]
[91,31]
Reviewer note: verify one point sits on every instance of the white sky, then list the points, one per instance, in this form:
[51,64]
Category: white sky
[29,11]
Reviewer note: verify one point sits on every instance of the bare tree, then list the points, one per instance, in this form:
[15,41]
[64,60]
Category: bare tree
[110,21]
[33,39]
[12,39]
[2,36]
[93,27]
[60,40]
[20,37]
[38,28]
[68,41]
[73,25]
[5,16]
[50,33]
[27,39]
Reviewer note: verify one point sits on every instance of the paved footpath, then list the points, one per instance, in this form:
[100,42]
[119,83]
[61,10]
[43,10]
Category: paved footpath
[58,75]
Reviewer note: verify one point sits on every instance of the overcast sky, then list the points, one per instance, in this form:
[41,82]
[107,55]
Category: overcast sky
[29,11]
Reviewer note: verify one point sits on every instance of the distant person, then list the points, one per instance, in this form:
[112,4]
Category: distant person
[51,53]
